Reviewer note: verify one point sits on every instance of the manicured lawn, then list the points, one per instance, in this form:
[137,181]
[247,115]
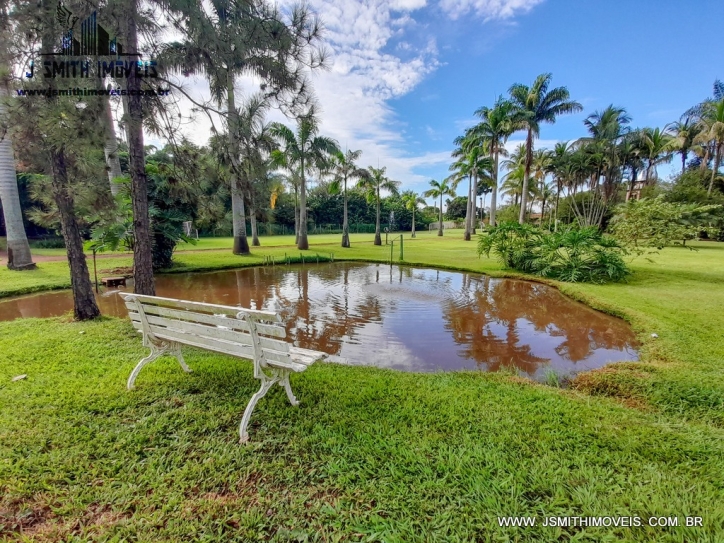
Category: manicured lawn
[370,455]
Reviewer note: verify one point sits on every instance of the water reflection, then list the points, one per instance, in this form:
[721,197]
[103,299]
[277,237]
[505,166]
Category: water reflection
[397,317]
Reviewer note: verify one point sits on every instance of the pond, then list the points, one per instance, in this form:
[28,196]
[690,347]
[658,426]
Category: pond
[399,317]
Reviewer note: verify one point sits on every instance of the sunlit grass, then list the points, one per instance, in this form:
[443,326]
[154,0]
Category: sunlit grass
[371,454]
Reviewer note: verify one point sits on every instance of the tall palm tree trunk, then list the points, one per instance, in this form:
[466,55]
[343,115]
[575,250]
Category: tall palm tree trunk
[378,235]
[238,213]
[471,203]
[19,257]
[110,147]
[303,243]
[494,194]
[238,217]
[413,223]
[715,169]
[526,175]
[345,220]
[252,219]
[466,237]
[296,215]
[142,249]
[439,227]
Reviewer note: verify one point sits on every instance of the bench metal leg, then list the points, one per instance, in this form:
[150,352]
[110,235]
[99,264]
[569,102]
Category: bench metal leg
[176,351]
[288,388]
[266,384]
[158,350]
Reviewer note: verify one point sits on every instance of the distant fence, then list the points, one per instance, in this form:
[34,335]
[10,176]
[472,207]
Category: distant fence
[274,229]
[446,225]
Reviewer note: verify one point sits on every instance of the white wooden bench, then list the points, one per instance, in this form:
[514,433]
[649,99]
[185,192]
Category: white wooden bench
[166,324]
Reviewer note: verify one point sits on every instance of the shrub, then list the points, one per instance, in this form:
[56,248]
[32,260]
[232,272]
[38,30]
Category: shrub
[656,223]
[572,254]
[48,243]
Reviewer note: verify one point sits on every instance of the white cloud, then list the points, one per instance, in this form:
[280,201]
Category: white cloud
[376,57]
[488,9]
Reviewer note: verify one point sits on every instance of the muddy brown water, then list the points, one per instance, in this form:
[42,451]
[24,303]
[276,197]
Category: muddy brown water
[399,317]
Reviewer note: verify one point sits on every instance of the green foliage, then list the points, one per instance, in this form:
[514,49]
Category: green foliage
[656,223]
[507,214]
[571,254]
[48,243]
[456,208]
[691,188]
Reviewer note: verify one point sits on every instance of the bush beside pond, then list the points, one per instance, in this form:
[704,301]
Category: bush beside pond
[572,254]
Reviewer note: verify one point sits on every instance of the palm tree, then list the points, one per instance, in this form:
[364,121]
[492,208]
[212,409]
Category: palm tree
[542,161]
[372,184]
[536,105]
[255,144]
[411,200]
[657,148]
[345,169]
[301,151]
[684,132]
[438,190]
[468,154]
[19,257]
[218,46]
[630,151]
[712,133]
[497,124]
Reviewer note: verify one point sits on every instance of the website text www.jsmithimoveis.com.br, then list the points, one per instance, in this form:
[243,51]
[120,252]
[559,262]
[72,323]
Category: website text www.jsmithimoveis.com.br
[604,521]
[159,91]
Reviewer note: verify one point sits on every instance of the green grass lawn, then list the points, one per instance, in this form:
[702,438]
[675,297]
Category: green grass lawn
[371,455]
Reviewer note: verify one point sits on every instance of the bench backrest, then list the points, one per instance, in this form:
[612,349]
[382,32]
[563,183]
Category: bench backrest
[245,333]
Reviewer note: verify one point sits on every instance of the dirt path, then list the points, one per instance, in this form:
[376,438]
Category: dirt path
[45,258]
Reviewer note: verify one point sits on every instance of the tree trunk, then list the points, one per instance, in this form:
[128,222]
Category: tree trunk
[439,228]
[413,223]
[19,257]
[378,235]
[238,213]
[238,217]
[715,169]
[494,194]
[110,147]
[683,160]
[296,215]
[142,248]
[466,237]
[705,160]
[84,302]
[345,221]
[303,244]
[252,219]
[473,212]
[526,175]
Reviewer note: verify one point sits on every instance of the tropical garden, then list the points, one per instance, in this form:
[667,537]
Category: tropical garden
[372,455]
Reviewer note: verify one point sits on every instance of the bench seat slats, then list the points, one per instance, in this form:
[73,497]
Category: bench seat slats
[211,331]
[204,307]
[206,318]
[275,358]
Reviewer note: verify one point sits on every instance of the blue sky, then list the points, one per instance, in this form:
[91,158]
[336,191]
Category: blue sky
[407,75]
